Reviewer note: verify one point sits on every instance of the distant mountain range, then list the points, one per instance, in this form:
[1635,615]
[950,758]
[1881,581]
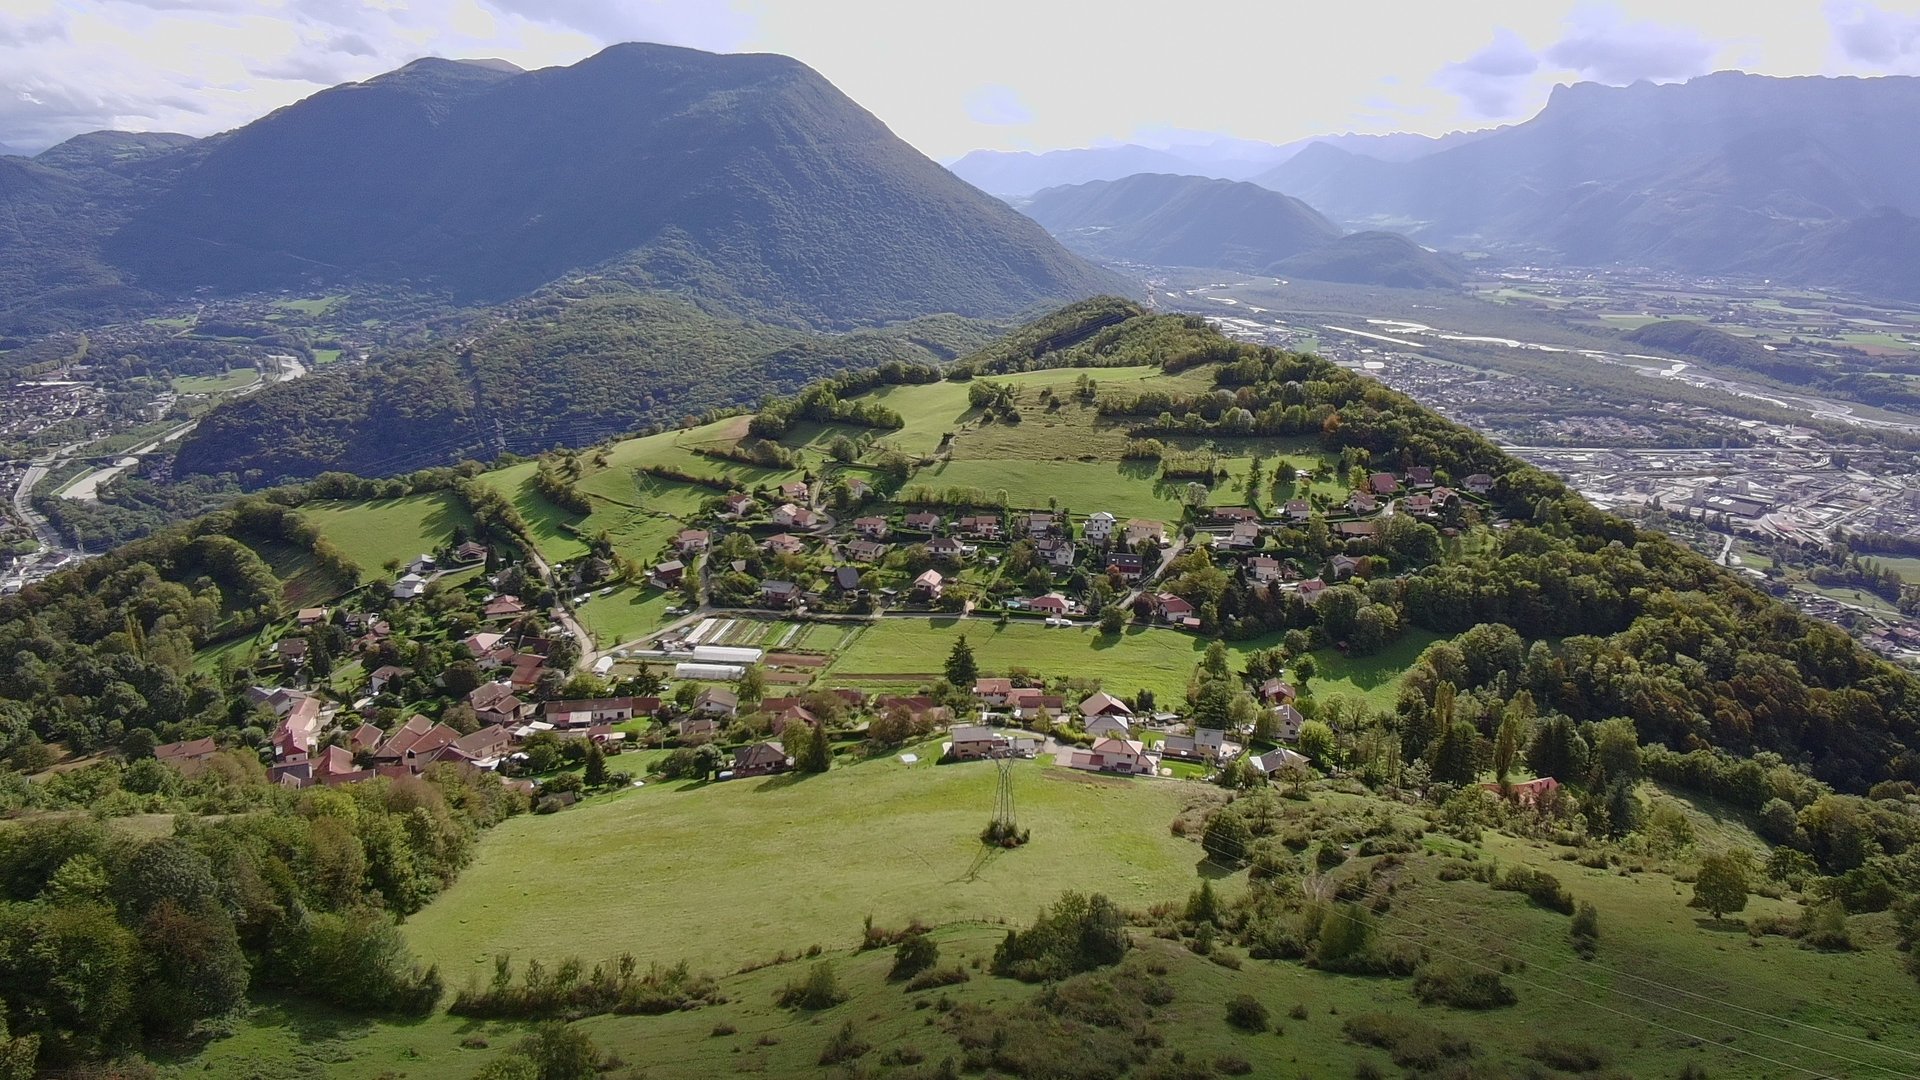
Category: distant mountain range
[746,181]
[1809,179]
[1163,220]
[1017,173]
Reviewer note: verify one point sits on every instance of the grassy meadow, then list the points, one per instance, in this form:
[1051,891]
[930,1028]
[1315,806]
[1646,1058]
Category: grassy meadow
[371,533]
[226,382]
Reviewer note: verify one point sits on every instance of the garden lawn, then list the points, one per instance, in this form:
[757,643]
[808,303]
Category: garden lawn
[737,871]
[1126,489]
[371,533]
[632,610]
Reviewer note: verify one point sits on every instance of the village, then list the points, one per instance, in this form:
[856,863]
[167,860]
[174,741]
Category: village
[447,665]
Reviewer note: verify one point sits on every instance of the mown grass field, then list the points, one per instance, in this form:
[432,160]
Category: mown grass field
[631,611]
[371,533]
[685,874]
[910,652]
[669,868]
[223,383]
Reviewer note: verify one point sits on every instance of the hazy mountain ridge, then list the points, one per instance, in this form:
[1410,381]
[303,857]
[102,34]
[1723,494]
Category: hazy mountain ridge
[1697,176]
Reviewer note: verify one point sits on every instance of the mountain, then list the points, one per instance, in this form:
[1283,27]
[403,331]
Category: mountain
[110,149]
[1873,253]
[1015,174]
[1695,176]
[1372,258]
[1165,220]
[748,181]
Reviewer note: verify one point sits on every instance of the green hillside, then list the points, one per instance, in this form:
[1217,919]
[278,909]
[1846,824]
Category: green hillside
[1373,258]
[1166,220]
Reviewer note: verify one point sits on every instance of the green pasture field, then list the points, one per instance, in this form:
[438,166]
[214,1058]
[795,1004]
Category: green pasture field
[227,382]
[312,307]
[371,533]
[911,652]
[883,838]
[632,610]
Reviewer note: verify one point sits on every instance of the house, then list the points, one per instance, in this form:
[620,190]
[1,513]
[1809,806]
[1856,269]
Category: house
[470,552]
[496,703]
[1356,530]
[1126,566]
[790,712]
[333,765]
[714,701]
[918,706]
[1029,703]
[1531,793]
[1205,744]
[1442,496]
[1110,754]
[1041,523]
[503,609]
[1051,604]
[365,737]
[1362,502]
[872,527]
[423,565]
[670,573]
[973,742]
[310,616]
[1312,589]
[980,527]
[292,651]
[526,671]
[866,551]
[1479,483]
[1244,534]
[795,491]
[1417,505]
[1287,721]
[858,489]
[1056,552]
[1276,691]
[846,579]
[946,547]
[784,544]
[1420,476]
[1116,726]
[1262,569]
[589,711]
[190,757]
[737,503]
[692,541]
[1140,529]
[799,517]
[779,593]
[490,743]
[1383,483]
[394,748]
[698,727]
[298,733]
[482,644]
[1343,566]
[1278,761]
[1099,527]
[409,587]
[760,759]
[385,676]
[1169,607]
[1232,515]
[921,521]
[993,691]
[930,584]
[1101,703]
[1298,511]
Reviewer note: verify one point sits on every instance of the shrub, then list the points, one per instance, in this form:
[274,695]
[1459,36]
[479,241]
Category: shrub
[1246,1013]
[1539,886]
[1078,933]
[819,989]
[843,1045]
[1461,987]
[1232,1065]
[912,956]
[927,980]
[1412,1043]
[1568,1056]
[1825,927]
[1585,931]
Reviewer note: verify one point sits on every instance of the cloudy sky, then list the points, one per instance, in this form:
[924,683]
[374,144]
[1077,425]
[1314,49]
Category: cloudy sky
[949,77]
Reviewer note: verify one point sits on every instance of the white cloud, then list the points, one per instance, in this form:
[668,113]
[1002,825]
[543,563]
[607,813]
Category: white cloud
[1603,46]
[1870,36]
[998,106]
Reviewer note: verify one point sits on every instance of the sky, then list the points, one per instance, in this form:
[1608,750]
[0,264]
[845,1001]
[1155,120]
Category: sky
[952,75]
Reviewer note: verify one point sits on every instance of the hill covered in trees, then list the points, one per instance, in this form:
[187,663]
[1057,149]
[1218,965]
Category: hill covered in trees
[1166,220]
[747,181]
[1373,258]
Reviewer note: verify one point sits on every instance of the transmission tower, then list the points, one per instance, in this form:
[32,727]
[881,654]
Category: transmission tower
[1004,821]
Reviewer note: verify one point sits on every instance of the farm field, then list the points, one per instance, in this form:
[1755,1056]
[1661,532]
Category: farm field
[883,838]
[910,652]
[371,533]
[237,379]
[1127,489]
[631,611]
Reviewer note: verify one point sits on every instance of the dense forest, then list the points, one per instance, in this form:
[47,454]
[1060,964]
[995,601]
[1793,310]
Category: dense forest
[565,368]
